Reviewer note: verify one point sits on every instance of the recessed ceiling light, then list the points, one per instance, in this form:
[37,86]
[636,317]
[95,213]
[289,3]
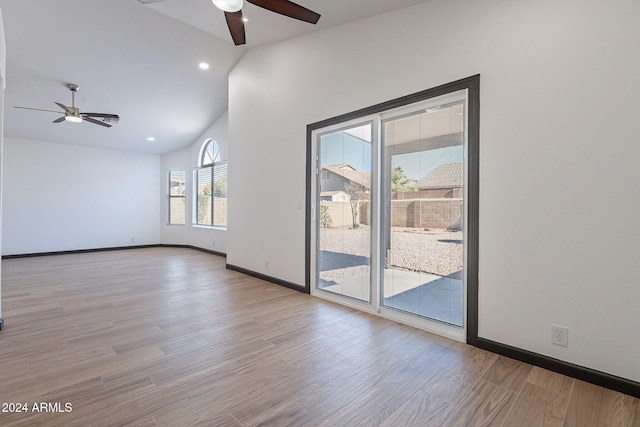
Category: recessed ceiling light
[151,139]
[203,66]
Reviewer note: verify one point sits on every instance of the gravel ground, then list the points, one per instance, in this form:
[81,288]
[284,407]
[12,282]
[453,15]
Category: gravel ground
[434,251]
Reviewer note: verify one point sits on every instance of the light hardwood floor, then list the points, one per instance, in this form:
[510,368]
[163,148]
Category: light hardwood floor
[169,337]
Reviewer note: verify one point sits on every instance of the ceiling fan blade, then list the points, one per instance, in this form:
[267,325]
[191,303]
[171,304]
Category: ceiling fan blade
[60,120]
[104,115]
[288,8]
[64,107]
[97,122]
[236,27]
[37,109]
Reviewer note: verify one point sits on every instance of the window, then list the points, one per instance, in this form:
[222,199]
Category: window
[210,153]
[210,187]
[177,199]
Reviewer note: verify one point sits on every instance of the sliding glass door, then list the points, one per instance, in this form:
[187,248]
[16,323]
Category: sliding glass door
[423,237]
[390,214]
[343,201]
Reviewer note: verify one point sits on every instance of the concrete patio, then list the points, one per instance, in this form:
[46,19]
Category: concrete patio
[428,295]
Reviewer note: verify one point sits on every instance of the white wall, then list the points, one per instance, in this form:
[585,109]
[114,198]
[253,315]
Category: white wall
[558,136]
[61,197]
[186,159]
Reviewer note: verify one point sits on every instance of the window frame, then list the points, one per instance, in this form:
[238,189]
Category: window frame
[208,159]
[171,196]
[472,85]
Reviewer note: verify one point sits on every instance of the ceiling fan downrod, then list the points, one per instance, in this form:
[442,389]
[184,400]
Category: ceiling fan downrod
[73,88]
[73,115]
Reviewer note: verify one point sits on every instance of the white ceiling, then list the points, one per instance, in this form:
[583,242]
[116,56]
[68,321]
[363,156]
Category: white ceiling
[138,61]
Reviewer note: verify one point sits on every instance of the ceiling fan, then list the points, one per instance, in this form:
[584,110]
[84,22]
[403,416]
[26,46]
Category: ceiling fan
[74,115]
[233,13]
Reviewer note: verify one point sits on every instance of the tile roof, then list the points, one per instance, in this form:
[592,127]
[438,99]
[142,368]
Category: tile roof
[331,193]
[448,175]
[347,171]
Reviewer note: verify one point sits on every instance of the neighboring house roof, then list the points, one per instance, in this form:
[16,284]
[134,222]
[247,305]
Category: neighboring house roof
[343,166]
[350,173]
[449,175]
[331,193]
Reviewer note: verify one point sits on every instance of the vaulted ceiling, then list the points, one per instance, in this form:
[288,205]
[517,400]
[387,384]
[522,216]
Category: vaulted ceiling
[137,61]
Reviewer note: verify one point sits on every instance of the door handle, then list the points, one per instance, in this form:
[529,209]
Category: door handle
[313,213]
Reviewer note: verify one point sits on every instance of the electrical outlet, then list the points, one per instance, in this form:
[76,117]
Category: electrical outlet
[133,240]
[560,335]
[214,244]
[266,264]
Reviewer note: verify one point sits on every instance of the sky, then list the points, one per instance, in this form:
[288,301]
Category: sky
[417,165]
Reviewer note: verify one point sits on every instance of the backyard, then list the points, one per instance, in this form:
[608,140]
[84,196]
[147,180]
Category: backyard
[422,272]
[345,251]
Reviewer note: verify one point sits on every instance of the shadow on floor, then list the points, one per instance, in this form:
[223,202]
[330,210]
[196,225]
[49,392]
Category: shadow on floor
[336,260]
[439,299]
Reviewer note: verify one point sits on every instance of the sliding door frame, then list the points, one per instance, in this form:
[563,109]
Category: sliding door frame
[374,217]
[472,85]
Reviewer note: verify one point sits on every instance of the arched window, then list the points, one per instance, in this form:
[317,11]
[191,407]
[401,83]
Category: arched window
[210,153]
[210,179]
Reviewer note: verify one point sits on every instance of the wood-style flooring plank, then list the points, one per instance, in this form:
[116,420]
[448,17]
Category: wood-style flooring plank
[485,404]
[537,406]
[421,409]
[630,411]
[170,337]
[591,405]
[508,373]
[369,409]
[551,381]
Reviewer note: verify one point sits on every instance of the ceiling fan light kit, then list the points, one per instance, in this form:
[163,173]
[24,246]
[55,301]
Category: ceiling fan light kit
[228,5]
[73,119]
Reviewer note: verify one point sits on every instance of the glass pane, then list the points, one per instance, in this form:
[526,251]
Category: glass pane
[220,195]
[344,212]
[423,236]
[177,210]
[204,190]
[211,153]
[176,183]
